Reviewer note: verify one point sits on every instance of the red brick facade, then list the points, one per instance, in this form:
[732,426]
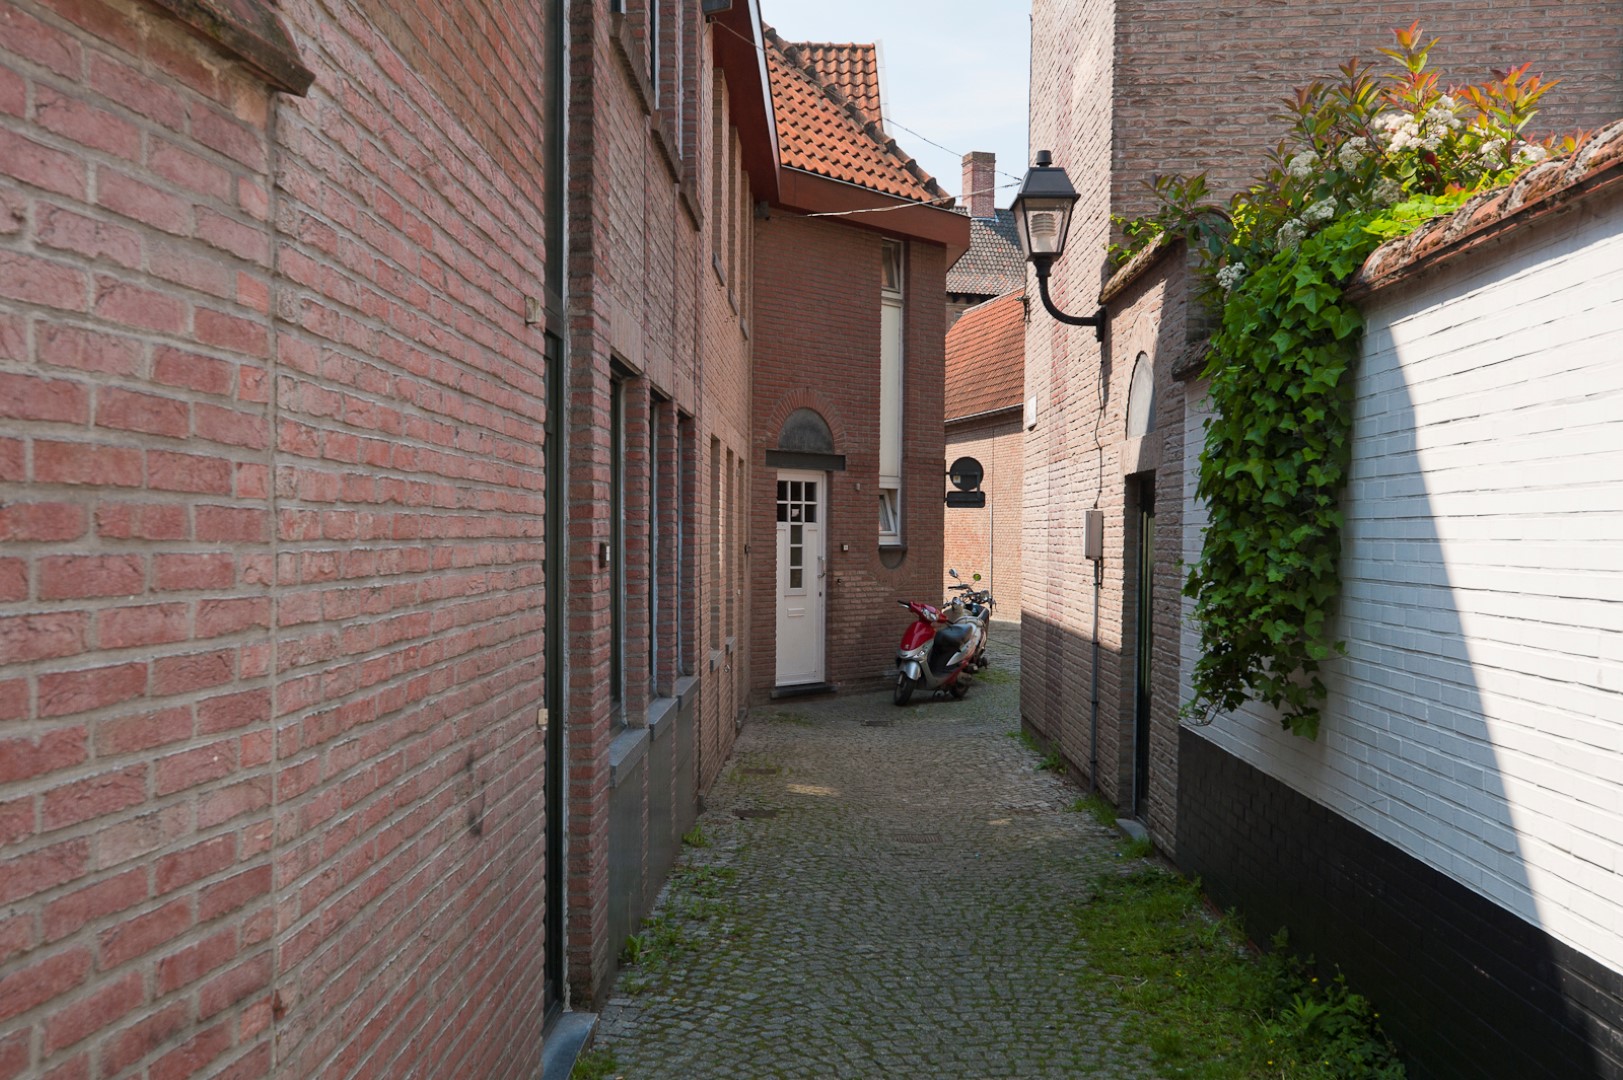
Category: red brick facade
[817,304]
[272,537]
[273,515]
[660,296]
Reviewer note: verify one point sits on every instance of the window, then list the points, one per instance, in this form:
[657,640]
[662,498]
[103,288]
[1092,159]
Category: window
[720,199]
[738,536]
[1141,399]
[656,536]
[735,227]
[686,550]
[715,543]
[616,549]
[728,508]
[656,49]
[797,507]
[891,329]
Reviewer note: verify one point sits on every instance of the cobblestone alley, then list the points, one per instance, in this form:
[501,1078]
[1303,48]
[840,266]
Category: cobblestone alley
[876,901]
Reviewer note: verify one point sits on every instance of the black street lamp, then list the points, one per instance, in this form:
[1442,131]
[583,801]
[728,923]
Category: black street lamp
[1042,216]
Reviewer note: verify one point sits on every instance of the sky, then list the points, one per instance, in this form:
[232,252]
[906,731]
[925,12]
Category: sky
[955,73]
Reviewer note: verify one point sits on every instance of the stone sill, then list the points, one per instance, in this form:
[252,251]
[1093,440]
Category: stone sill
[250,31]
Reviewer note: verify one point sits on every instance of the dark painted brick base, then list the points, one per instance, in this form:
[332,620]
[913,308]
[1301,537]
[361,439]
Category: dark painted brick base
[1467,989]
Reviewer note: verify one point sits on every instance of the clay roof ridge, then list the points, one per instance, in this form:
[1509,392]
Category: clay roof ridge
[791,51]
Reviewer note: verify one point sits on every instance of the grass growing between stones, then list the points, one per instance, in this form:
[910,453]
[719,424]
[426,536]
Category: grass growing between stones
[697,905]
[1099,807]
[1051,761]
[1209,1008]
[993,676]
[595,1065]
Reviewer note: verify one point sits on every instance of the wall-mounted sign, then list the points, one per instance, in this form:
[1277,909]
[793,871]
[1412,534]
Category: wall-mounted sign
[966,474]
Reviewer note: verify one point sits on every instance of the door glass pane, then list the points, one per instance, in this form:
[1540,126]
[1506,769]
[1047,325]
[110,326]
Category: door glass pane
[795,577]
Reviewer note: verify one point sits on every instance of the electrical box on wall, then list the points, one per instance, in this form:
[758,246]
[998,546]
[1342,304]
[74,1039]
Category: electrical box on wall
[1093,534]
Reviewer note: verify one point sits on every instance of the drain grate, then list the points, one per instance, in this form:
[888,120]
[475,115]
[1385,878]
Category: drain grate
[918,837]
[750,812]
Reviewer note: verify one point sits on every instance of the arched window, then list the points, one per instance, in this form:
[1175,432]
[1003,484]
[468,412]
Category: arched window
[806,432]
[1141,399]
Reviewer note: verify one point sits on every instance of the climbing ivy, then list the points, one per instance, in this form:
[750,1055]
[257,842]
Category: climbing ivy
[1275,458]
[1367,158]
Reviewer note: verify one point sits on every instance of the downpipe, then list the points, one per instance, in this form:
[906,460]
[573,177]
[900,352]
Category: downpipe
[1093,723]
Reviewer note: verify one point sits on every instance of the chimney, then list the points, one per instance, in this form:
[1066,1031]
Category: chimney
[980,180]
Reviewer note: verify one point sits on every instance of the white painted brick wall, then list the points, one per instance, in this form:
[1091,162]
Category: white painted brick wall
[1477,719]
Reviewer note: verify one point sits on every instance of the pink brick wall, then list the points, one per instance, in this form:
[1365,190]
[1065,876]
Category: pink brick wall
[1123,89]
[817,301]
[1196,81]
[987,541]
[270,601]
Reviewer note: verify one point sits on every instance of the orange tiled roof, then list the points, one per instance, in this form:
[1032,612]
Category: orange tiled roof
[821,132]
[852,69]
[986,357]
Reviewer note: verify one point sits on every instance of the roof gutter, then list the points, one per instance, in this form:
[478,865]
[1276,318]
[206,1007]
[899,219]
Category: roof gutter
[740,52]
[1016,407]
[813,194]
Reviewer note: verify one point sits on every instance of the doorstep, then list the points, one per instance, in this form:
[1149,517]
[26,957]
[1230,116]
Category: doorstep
[802,690]
[563,1042]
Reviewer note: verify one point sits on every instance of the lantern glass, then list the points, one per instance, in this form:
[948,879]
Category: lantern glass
[1043,225]
[1042,210]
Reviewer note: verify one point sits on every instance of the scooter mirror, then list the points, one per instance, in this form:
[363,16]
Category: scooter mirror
[951,572]
[973,577]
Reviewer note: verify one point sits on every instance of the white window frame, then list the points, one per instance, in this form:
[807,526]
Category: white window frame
[893,334]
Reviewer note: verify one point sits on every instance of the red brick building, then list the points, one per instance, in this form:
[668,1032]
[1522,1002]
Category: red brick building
[340,491]
[672,143]
[845,499]
[986,351]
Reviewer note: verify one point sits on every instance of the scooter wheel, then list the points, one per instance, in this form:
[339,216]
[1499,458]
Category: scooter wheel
[959,689]
[904,690]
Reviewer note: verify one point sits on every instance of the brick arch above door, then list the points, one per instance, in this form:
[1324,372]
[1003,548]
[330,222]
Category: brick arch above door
[806,439]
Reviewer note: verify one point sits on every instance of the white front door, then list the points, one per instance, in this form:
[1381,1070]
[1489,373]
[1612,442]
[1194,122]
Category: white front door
[802,499]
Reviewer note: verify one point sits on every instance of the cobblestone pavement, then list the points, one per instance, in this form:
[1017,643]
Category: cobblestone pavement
[898,909]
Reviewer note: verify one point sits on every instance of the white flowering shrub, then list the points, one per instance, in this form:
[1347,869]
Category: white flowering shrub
[1357,144]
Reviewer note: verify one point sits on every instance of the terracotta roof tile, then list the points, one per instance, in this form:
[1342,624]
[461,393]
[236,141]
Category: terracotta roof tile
[852,69]
[986,357]
[1541,191]
[994,263]
[821,132]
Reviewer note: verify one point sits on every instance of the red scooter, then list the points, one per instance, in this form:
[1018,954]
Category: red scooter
[934,654]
